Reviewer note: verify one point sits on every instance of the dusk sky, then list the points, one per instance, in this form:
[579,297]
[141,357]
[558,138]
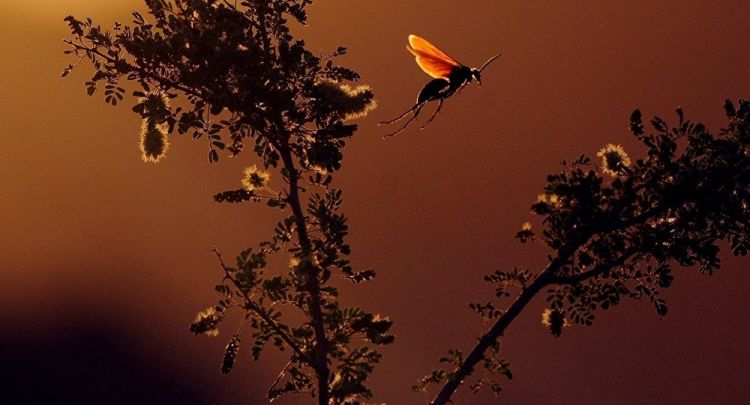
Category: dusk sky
[105,260]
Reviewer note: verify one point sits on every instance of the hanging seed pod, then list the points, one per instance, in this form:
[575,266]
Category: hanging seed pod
[229,354]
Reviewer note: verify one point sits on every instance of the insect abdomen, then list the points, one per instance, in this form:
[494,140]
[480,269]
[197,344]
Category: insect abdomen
[431,91]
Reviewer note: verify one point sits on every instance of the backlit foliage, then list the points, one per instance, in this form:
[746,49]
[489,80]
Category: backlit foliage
[231,73]
[616,231]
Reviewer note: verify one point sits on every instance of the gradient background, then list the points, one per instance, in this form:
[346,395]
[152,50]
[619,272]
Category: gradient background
[105,260]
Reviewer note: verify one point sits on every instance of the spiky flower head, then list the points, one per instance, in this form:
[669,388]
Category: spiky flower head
[343,100]
[154,141]
[554,320]
[255,179]
[206,322]
[614,159]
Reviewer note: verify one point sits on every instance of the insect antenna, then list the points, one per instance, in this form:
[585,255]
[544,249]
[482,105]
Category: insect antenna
[490,60]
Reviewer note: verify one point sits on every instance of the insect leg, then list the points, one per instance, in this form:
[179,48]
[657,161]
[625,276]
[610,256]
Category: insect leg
[403,127]
[462,87]
[432,118]
[416,107]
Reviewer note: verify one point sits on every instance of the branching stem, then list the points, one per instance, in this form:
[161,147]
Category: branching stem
[249,304]
[547,277]
[320,356]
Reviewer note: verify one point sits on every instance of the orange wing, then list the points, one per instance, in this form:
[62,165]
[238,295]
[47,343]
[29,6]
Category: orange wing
[430,58]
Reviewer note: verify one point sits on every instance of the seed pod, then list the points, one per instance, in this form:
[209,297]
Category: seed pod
[230,353]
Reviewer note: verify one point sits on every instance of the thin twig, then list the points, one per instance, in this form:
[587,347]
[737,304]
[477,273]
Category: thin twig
[145,74]
[279,377]
[261,313]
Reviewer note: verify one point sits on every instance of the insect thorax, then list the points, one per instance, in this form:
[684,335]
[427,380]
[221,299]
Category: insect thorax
[459,76]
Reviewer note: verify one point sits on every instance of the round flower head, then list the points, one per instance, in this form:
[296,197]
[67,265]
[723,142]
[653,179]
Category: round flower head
[525,234]
[614,159]
[554,320]
[553,200]
[154,142]
[255,179]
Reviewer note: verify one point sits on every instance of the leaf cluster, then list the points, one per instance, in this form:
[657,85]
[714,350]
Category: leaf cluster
[621,237]
[232,73]
[617,230]
[246,79]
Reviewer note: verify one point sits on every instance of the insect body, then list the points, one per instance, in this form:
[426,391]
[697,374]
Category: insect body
[449,77]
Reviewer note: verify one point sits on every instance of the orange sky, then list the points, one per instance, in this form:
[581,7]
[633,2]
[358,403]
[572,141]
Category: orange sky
[94,238]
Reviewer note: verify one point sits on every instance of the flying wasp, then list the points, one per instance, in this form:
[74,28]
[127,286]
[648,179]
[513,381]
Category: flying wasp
[449,77]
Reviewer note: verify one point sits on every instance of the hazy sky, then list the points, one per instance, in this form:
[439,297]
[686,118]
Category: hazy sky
[93,239]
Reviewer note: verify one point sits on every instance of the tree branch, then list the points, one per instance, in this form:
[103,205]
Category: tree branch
[249,304]
[313,285]
[490,337]
[144,73]
[545,278]
[596,271]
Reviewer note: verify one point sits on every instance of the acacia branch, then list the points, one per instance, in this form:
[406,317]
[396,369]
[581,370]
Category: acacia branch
[313,285]
[279,377]
[249,304]
[146,74]
[547,277]
[498,329]
[594,272]
[320,356]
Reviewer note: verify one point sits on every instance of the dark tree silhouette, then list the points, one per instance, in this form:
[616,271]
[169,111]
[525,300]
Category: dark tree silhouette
[245,81]
[615,230]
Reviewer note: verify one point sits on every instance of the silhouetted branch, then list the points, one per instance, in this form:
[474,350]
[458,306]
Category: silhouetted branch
[490,337]
[122,66]
[313,285]
[250,304]
[664,208]
[598,270]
